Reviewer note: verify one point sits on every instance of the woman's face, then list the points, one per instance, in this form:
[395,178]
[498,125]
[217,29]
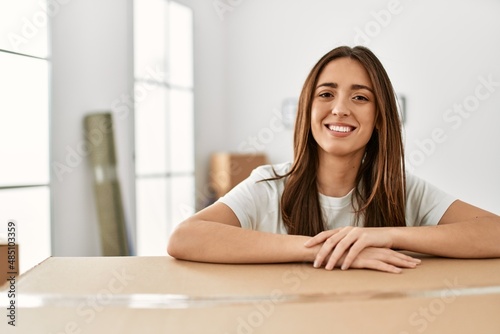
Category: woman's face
[343,109]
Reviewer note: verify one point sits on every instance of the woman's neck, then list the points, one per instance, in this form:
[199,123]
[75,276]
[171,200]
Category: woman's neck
[337,175]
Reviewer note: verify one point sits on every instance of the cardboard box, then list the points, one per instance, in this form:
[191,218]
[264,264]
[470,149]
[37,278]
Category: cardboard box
[127,294]
[9,261]
[229,169]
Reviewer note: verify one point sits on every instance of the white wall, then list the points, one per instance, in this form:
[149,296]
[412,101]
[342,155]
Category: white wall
[434,52]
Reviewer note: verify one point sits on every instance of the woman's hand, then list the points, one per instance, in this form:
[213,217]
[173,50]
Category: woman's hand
[382,259]
[347,243]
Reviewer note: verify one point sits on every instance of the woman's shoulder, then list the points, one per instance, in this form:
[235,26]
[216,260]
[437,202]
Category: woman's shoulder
[411,178]
[271,170]
[416,185]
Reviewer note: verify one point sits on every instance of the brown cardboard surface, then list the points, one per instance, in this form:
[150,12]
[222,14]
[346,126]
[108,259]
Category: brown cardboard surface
[229,169]
[87,275]
[8,267]
[142,295]
[467,314]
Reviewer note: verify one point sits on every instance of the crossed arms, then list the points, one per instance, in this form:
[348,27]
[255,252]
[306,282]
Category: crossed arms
[215,235]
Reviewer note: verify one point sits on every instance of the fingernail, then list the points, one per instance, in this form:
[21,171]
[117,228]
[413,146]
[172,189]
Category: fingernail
[315,265]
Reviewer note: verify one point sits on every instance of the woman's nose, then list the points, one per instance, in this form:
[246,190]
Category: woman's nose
[340,108]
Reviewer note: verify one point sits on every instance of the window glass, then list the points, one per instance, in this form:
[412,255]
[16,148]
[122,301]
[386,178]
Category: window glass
[151,194]
[150,38]
[29,207]
[181,45]
[151,132]
[164,124]
[24,120]
[181,131]
[181,199]
[23,26]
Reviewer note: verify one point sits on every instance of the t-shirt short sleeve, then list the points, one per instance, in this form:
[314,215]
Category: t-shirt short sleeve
[255,202]
[425,203]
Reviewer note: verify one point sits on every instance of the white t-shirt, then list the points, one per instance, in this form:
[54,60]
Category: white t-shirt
[257,204]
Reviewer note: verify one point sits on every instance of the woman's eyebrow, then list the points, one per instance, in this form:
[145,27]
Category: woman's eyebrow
[327,84]
[353,87]
[357,86]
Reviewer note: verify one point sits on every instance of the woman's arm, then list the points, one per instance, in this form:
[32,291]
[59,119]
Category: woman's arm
[464,231]
[214,235]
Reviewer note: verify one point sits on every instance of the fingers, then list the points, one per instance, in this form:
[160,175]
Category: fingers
[382,266]
[360,242]
[336,246]
[320,238]
[331,244]
[401,260]
[350,245]
[390,266]
[352,254]
[381,259]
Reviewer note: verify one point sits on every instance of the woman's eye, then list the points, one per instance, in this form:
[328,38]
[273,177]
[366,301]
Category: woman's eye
[360,98]
[326,94]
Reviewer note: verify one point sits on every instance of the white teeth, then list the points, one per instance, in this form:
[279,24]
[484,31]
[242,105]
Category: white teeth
[339,128]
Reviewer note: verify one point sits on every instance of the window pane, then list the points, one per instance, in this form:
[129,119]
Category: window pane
[29,207]
[164,122]
[24,120]
[181,200]
[150,37]
[181,131]
[151,194]
[23,26]
[181,45]
[150,132]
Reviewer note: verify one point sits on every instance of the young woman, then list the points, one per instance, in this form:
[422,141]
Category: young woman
[346,200]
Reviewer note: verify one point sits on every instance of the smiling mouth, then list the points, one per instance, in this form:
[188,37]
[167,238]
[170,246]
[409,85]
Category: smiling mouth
[340,128]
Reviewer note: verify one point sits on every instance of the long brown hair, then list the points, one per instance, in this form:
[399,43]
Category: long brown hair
[380,192]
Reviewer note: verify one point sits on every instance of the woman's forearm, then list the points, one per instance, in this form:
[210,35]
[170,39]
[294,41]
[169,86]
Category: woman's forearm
[207,241]
[477,238]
